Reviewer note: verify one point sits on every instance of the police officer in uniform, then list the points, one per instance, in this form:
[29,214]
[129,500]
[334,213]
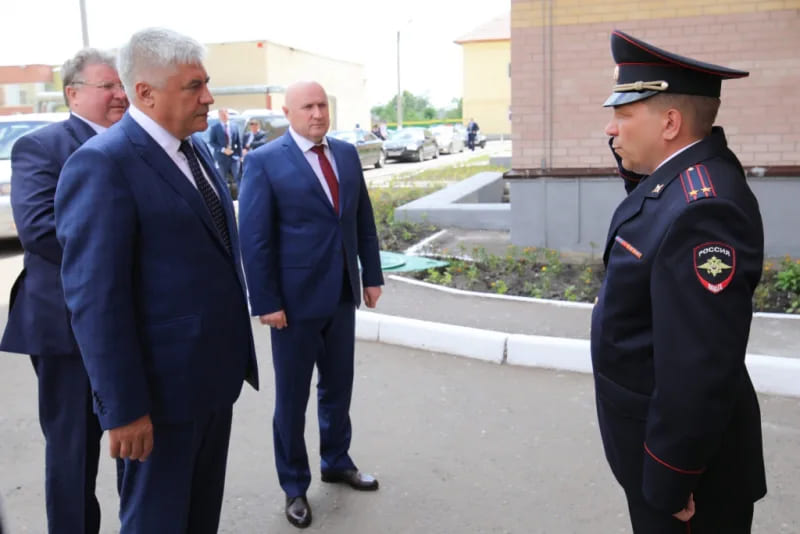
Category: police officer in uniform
[678,414]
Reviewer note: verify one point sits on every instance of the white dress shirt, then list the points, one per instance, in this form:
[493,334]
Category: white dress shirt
[305,146]
[170,144]
[93,125]
[676,153]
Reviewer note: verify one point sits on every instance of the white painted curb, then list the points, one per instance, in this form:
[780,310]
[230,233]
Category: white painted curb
[770,374]
[551,352]
[439,337]
[773,374]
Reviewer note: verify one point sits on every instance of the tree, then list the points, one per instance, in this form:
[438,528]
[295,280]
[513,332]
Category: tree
[456,111]
[415,108]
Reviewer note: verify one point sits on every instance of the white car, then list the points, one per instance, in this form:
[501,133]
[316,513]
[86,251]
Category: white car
[12,127]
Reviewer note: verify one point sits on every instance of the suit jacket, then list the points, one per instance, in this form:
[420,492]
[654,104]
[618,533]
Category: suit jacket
[158,304]
[676,407]
[258,139]
[295,247]
[219,142]
[38,321]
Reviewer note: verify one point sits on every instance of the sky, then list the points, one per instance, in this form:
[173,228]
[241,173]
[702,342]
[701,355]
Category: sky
[363,31]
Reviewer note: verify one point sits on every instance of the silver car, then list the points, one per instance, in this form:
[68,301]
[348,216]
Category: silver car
[12,127]
[449,137]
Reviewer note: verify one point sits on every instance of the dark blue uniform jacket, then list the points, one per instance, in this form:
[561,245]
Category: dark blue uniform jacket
[676,406]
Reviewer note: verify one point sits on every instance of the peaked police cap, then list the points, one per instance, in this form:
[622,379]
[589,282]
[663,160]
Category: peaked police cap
[644,70]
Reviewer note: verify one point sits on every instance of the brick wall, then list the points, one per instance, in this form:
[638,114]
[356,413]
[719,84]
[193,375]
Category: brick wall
[562,72]
[26,74]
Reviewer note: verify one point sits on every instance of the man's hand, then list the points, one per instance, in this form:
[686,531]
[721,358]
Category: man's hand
[371,295]
[687,513]
[133,441]
[227,151]
[275,319]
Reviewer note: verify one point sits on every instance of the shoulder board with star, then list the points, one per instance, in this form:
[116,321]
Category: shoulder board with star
[696,182]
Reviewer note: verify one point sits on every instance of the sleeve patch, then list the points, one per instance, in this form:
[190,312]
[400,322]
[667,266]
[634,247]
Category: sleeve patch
[697,183]
[714,265]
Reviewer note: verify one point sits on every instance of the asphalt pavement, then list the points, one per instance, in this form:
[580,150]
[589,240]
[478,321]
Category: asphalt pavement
[459,446]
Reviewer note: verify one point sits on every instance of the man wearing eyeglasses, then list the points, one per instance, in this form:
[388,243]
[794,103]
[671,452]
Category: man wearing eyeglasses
[38,322]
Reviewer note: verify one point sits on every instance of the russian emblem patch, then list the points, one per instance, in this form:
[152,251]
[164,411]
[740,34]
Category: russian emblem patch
[714,264]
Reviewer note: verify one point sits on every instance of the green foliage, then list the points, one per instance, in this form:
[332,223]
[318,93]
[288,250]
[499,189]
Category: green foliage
[456,112]
[500,287]
[570,294]
[529,272]
[439,276]
[541,273]
[788,278]
[397,235]
[415,108]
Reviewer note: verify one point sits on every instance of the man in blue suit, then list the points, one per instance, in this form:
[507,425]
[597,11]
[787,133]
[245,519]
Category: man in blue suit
[227,147]
[152,277]
[306,220]
[38,322]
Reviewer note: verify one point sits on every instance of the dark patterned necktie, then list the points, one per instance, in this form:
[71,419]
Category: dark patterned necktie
[330,176]
[209,196]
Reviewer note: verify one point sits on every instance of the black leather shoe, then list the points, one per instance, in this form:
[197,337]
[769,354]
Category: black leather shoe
[298,512]
[353,478]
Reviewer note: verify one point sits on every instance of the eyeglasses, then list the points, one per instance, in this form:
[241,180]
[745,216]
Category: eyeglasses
[106,86]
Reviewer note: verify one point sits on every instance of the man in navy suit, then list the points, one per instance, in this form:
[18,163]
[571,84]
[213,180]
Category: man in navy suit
[152,277]
[227,147]
[306,220]
[38,322]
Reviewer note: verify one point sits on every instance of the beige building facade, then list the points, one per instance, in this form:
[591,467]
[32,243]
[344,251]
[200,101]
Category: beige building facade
[562,72]
[487,83]
[254,74]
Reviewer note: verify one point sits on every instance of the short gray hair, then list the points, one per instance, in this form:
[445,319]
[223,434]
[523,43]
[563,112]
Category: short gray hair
[72,69]
[153,50]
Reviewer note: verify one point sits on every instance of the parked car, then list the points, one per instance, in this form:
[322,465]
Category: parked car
[449,137]
[480,139]
[369,147]
[12,127]
[273,123]
[411,143]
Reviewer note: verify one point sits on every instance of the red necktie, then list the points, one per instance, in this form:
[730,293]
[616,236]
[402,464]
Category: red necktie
[330,176]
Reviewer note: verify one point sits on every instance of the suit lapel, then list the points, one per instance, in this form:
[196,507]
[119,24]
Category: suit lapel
[155,156]
[301,163]
[78,129]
